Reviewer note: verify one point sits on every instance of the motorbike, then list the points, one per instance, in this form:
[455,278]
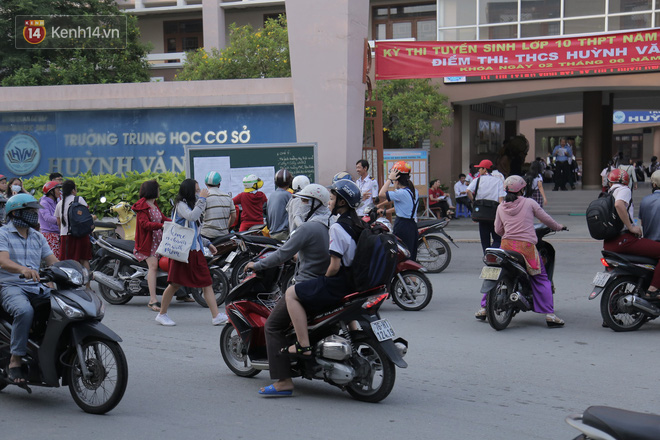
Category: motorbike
[623,284]
[360,362]
[68,343]
[433,252]
[507,283]
[121,276]
[410,288]
[607,423]
[248,247]
[122,227]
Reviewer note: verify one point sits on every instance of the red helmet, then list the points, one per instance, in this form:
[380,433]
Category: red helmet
[49,186]
[618,175]
[402,166]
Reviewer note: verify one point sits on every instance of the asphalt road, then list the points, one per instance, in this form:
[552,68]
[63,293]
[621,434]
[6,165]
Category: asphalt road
[464,379]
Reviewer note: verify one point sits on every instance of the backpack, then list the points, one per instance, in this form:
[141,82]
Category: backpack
[81,222]
[602,219]
[375,256]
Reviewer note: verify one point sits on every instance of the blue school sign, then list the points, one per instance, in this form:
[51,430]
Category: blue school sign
[118,141]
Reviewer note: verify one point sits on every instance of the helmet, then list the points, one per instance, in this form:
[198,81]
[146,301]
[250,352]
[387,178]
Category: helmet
[347,190]
[402,166]
[514,184]
[283,179]
[300,182]
[618,176]
[49,186]
[3,177]
[21,201]
[252,183]
[655,178]
[316,192]
[213,178]
[342,175]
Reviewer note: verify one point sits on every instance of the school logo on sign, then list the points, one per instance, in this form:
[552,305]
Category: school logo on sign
[22,154]
[34,31]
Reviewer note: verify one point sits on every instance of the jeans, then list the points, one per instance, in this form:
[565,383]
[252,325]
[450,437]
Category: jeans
[16,302]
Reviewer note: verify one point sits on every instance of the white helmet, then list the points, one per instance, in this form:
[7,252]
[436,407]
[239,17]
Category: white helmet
[252,183]
[299,182]
[314,191]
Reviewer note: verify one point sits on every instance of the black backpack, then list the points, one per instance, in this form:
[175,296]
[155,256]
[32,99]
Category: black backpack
[375,256]
[602,219]
[81,222]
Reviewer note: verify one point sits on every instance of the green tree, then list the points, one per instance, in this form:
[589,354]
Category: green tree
[413,110]
[37,67]
[250,54]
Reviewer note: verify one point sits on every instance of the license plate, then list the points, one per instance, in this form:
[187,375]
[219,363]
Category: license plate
[490,273]
[601,279]
[382,329]
[231,257]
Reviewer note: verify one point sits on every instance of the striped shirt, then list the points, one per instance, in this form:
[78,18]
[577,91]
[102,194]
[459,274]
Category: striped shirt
[28,252]
[219,206]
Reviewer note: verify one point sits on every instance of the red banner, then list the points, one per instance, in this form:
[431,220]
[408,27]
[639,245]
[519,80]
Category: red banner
[520,59]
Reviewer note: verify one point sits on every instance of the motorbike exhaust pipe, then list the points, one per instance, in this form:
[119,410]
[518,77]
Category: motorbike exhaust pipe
[108,281]
[520,300]
[641,304]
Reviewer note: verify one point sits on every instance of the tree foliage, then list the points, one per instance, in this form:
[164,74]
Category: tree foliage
[37,67]
[250,54]
[413,110]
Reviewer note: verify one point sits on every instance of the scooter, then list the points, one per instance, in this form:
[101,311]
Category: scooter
[410,288]
[507,283]
[122,227]
[359,361]
[68,342]
[433,252]
[623,284]
[607,423]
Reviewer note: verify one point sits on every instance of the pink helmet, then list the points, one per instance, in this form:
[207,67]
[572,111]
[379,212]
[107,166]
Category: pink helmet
[514,184]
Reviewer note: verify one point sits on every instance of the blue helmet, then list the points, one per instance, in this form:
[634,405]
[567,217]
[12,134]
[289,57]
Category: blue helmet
[347,190]
[21,201]
[342,175]
[213,178]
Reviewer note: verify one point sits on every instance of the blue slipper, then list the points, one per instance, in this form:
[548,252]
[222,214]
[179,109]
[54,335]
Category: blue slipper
[271,391]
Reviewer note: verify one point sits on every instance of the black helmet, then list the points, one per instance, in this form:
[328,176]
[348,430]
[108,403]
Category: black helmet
[283,179]
[348,191]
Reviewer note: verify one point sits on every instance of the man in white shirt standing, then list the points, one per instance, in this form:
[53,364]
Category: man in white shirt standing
[368,187]
[460,192]
[489,188]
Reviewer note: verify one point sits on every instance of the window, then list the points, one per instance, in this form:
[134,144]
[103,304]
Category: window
[616,6]
[408,21]
[183,35]
[498,11]
[584,26]
[578,8]
[625,22]
[539,10]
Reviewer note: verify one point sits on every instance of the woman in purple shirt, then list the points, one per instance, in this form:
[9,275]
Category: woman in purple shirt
[47,221]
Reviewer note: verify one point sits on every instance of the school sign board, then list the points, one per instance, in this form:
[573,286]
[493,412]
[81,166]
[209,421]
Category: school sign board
[119,141]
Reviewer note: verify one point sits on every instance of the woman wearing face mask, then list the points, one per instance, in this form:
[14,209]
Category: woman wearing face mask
[47,220]
[15,186]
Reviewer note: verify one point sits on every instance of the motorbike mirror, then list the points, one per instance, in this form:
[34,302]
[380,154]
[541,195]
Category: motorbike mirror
[103,199]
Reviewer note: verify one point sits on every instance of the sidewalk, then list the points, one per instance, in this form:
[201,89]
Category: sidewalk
[566,207]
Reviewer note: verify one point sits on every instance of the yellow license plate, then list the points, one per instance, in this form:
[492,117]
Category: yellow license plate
[490,273]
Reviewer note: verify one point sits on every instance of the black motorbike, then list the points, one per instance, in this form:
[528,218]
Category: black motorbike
[607,423]
[507,283]
[248,247]
[359,361]
[433,252]
[68,343]
[623,284]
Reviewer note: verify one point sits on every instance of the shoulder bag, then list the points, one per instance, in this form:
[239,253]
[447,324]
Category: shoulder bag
[483,210]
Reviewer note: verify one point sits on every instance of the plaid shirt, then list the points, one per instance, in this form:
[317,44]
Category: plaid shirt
[27,252]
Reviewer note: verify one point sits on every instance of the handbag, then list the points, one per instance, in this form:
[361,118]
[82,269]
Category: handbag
[177,240]
[483,210]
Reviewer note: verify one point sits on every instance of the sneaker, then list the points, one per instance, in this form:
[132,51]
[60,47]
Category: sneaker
[164,320]
[481,314]
[220,319]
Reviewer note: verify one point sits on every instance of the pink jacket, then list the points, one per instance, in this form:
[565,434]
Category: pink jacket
[515,220]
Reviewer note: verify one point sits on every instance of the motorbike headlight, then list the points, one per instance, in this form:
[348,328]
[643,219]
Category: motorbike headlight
[75,276]
[69,311]
[403,250]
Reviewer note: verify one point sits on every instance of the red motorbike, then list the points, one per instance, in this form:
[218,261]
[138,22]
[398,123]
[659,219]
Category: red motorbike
[359,361]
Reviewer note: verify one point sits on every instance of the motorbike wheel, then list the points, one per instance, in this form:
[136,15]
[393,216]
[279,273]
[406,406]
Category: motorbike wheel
[220,289]
[101,392]
[434,255]
[237,272]
[111,296]
[232,349]
[498,306]
[421,293]
[376,373]
[616,315]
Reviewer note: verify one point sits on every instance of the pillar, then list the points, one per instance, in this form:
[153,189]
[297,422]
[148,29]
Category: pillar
[595,153]
[511,123]
[213,22]
[326,43]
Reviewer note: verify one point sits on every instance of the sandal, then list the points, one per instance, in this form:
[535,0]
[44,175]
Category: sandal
[14,374]
[185,299]
[300,351]
[553,321]
[155,306]
[481,314]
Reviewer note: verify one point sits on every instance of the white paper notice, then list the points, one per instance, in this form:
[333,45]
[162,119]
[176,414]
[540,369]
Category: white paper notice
[267,174]
[204,165]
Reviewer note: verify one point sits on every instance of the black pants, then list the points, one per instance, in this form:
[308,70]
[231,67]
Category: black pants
[486,231]
[278,322]
[561,174]
[406,230]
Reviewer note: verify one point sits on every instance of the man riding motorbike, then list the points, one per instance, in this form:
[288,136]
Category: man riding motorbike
[310,242]
[22,249]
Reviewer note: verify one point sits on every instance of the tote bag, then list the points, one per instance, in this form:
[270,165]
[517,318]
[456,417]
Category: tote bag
[177,241]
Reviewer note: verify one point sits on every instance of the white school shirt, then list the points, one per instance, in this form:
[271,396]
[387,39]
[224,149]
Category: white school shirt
[490,188]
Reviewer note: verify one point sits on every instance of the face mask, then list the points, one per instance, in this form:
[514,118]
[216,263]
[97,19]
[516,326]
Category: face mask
[27,219]
[16,188]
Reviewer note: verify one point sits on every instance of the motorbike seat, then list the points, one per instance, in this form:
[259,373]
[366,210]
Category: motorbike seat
[100,224]
[517,256]
[631,258]
[124,245]
[221,239]
[373,291]
[623,424]
[260,239]
[427,223]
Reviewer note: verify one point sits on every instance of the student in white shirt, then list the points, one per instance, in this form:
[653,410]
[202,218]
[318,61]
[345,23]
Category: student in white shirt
[490,188]
[368,187]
